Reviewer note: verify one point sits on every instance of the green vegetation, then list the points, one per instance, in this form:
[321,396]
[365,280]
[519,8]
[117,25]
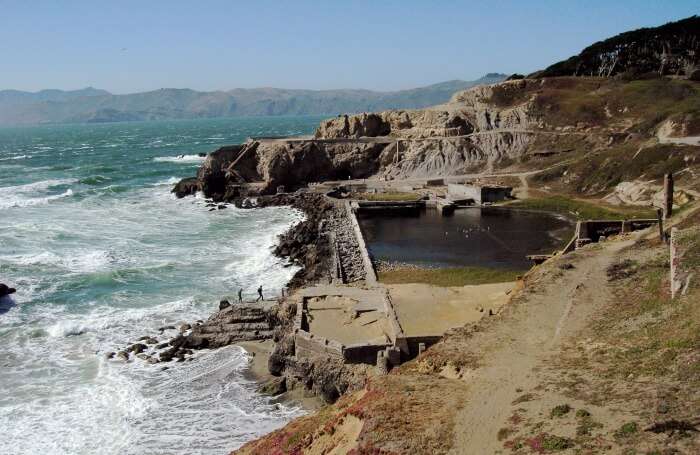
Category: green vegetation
[560,410]
[393,197]
[459,276]
[582,413]
[581,210]
[567,101]
[556,443]
[626,430]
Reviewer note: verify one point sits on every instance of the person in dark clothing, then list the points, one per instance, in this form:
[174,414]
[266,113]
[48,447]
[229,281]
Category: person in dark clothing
[240,295]
[260,294]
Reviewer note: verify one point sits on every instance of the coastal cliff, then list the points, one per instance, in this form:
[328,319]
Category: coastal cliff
[513,126]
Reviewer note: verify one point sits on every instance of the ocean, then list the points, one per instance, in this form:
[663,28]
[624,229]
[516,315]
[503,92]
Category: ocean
[102,253]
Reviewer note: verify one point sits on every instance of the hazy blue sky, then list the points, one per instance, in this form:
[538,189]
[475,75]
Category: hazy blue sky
[126,46]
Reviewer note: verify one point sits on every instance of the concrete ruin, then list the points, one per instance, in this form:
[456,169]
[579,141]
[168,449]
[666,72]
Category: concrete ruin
[478,194]
[593,231]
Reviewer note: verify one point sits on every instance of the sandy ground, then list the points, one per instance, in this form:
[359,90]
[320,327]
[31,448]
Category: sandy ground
[425,310]
[334,317]
[517,348]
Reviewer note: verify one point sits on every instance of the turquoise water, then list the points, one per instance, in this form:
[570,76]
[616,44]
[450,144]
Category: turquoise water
[102,253]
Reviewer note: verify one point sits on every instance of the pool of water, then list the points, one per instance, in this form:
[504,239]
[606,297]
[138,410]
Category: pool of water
[482,237]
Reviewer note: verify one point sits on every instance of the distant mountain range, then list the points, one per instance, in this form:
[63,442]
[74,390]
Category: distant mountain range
[92,105]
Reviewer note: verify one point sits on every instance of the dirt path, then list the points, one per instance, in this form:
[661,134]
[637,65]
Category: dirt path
[531,332]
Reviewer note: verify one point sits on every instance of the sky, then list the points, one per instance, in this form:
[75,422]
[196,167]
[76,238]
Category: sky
[130,46]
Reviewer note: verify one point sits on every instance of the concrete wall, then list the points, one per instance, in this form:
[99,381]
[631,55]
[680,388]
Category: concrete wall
[594,229]
[370,274]
[495,193]
[458,192]
[413,342]
[363,352]
[478,193]
[308,345]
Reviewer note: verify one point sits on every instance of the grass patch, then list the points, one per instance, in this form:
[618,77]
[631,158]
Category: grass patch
[388,197]
[459,276]
[626,430]
[560,410]
[581,210]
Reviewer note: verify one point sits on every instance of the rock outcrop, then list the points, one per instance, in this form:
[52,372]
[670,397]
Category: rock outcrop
[6,290]
[468,133]
[237,322]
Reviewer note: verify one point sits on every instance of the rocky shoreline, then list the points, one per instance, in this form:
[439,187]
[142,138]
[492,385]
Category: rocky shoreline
[309,244]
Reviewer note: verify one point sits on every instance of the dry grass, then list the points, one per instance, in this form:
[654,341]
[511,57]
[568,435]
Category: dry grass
[582,210]
[645,356]
[400,414]
[448,277]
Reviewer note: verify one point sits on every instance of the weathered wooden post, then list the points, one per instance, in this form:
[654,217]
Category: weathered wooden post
[668,195]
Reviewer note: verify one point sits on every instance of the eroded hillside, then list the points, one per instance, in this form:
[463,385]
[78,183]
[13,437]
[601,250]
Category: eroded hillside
[582,135]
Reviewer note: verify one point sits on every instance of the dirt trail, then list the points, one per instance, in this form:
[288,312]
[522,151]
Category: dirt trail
[530,333]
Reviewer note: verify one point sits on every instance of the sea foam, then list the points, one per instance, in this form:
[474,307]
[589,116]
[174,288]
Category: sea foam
[179,159]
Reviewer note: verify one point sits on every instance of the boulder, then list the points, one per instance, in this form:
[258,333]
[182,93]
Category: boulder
[275,364]
[6,290]
[137,348]
[273,387]
[123,355]
[186,187]
[224,304]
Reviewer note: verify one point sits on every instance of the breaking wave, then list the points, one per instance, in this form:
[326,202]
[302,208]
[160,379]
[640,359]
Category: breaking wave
[179,159]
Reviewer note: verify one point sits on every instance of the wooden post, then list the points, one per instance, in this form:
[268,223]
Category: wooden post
[660,218]
[668,195]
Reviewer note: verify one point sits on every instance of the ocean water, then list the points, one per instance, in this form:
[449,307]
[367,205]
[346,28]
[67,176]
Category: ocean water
[488,237]
[102,253]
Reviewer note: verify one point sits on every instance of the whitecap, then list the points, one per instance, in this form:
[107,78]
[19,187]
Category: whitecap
[36,186]
[16,157]
[179,159]
[11,203]
[26,195]
[170,181]
[81,262]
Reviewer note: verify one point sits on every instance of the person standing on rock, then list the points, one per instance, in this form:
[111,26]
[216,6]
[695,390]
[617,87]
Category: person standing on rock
[260,294]
[240,295]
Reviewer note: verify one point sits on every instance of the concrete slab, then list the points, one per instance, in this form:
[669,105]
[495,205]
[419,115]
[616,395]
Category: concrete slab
[334,317]
[424,310]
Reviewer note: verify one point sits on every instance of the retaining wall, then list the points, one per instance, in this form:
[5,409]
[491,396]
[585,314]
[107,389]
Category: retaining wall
[309,345]
[370,274]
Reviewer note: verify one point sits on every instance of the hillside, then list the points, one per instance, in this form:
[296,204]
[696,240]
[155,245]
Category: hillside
[671,49]
[92,105]
[591,354]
